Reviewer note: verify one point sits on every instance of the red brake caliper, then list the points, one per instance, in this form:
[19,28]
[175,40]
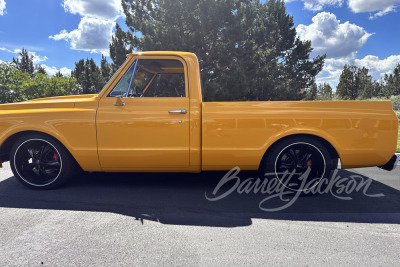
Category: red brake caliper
[309,163]
[56,157]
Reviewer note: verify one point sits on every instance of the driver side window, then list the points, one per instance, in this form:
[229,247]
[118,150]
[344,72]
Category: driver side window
[139,82]
[152,78]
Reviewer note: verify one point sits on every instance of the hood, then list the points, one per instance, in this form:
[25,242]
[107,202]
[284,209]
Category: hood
[49,102]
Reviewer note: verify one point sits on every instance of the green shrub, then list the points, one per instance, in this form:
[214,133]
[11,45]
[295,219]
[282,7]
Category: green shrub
[396,102]
[398,141]
[16,86]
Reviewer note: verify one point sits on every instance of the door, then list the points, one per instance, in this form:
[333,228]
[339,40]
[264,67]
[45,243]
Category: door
[148,127]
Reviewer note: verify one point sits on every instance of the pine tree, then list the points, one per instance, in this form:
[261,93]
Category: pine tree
[95,78]
[343,89]
[392,81]
[59,74]
[367,91]
[354,83]
[119,47]
[312,92]
[24,62]
[40,69]
[105,69]
[85,81]
[325,91]
[78,74]
[363,83]
[88,76]
[247,50]
[377,88]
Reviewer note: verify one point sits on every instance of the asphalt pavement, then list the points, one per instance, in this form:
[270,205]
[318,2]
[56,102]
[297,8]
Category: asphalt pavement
[166,219]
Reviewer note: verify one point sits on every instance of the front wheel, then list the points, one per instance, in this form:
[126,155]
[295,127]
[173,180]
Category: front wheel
[40,162]
[299,164]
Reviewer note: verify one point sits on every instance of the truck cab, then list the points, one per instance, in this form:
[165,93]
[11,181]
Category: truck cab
[150,115]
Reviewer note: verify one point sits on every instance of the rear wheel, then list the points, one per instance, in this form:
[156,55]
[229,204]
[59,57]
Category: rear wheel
[298,163]
[40,162]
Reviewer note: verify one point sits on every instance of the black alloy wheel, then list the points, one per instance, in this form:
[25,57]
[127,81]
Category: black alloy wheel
[40,162]
[298,163]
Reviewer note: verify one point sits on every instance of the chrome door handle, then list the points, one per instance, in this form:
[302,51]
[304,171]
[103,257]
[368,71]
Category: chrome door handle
[181,111]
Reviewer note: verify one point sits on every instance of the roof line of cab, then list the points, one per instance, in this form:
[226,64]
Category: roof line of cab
[161,53]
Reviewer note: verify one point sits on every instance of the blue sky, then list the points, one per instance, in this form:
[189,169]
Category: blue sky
[60,32]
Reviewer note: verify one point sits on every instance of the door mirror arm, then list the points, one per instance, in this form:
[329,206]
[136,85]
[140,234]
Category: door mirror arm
[119,101]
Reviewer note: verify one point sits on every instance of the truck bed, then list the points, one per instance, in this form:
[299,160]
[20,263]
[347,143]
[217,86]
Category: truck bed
[363,133]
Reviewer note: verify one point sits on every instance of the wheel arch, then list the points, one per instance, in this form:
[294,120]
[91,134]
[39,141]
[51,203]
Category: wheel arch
[332,150]
[6,146]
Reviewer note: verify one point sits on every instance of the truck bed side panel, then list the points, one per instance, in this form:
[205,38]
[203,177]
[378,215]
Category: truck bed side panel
[364,133]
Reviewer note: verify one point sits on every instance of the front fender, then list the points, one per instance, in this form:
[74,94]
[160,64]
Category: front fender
[74,127]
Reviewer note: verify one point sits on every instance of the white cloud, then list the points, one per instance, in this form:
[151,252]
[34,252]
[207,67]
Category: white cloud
[37,58]
[5,49]
[333,68]
[318,5]
[382,7]
[100,9]
[92,35]
[341,42]
[53,70]
[358,6]
[329,36]
[377,67]
[383,12]
[2,7]
[94,31]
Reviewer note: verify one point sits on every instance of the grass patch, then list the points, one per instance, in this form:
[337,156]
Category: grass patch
[398,142]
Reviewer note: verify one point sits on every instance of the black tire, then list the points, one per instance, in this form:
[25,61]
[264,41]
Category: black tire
[296,155]
[40,162]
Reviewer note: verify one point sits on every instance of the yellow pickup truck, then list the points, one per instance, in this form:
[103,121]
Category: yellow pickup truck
[150,118]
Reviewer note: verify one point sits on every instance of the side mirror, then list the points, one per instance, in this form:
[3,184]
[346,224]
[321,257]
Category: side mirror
[119,102]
